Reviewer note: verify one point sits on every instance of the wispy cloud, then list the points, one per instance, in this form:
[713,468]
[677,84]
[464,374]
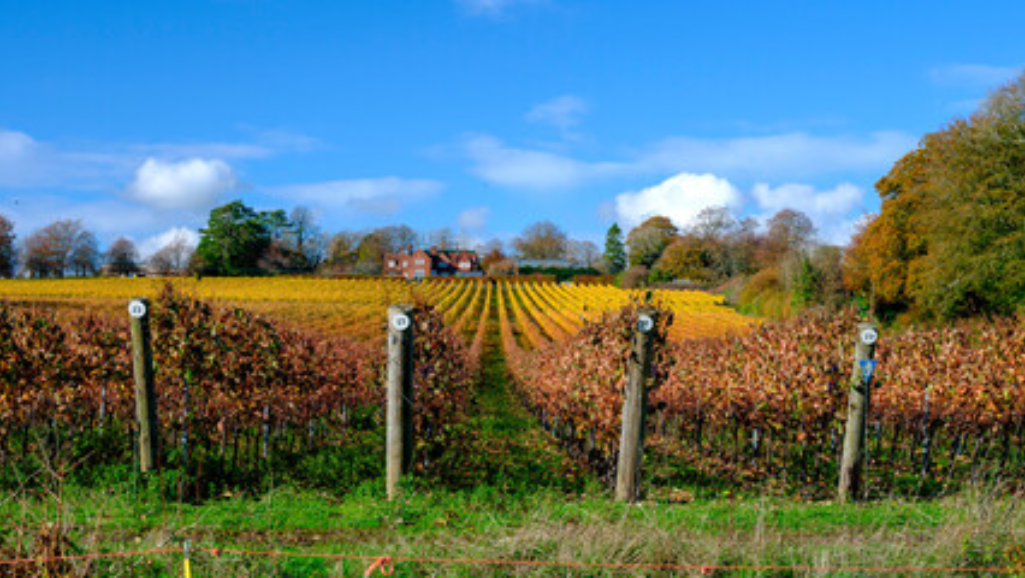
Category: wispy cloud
[26,162]
[473,220]
[529,169]
[974,76]
[789,155]
[382,196]
[563,112]
[783,156]
[490,8]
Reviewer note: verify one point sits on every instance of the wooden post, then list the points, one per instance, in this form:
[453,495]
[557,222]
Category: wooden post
[854,443]
[631,441]
[399,441]
[145,393]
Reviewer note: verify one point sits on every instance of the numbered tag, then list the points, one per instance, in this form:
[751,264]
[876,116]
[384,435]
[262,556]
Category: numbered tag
[645,324]
[137,309]
[868,366]
[400,322]
[869,336]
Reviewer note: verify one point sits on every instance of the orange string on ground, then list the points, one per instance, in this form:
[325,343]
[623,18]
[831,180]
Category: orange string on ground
[386,563]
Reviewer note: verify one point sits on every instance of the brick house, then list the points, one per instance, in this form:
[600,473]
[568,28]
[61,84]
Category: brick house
[422,263]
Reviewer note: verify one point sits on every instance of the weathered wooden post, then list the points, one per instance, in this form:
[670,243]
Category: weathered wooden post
[399,441]
[145,393]
[631,441]
[854,443]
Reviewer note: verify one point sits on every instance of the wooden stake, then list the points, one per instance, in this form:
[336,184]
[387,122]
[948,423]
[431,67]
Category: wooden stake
[854,443]
[145,393]
[631,443]
[399,441]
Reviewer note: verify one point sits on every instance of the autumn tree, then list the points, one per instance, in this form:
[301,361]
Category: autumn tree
[122,258]
[8,254]
[647,241]
[543,240]
[342,252]
[687,257]
[949,240]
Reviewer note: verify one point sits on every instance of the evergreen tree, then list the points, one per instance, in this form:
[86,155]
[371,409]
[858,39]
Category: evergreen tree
[615,251]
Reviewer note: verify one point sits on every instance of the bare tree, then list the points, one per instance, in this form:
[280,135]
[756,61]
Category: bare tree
[174,257]
[61,247]
[85,255]
[584,253]
[122,258]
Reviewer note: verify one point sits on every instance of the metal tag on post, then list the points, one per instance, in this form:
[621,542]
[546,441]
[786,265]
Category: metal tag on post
[645,324]
[869,336]
[137,309]
[400,322]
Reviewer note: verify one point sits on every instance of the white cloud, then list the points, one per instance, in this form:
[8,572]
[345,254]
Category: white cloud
[973,75]
[155,243]
[473,219]
[834,211]
[836,201]
[529,169]
[563,112]
[384,195]
[192,184]
[680,198]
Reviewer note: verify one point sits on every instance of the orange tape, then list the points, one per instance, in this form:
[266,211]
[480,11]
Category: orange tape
[384,564]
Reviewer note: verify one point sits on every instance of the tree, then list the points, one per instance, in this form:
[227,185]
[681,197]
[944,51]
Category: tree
[687,257]
[583,254]
[788,231]
[62,247]
[542,240]
[949,240]
[647,241]
[174,257]
[8,255]
[234,239]
[442,238]
[615,252]
[715,228]
[342,252]
[122,258]
[305,238]
[85,256]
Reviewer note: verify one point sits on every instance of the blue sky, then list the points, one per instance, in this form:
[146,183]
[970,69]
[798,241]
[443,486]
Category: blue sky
[480,115]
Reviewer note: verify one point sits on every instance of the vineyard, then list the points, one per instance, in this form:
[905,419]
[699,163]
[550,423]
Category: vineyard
[285,375]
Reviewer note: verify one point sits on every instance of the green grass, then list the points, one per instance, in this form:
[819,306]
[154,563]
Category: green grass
[974,529]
